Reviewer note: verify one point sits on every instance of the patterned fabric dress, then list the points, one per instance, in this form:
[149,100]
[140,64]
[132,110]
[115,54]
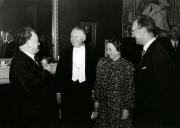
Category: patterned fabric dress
[114,91]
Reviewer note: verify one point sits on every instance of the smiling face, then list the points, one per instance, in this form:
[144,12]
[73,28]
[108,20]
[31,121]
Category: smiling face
[136,32]
[112,52]
[77,37]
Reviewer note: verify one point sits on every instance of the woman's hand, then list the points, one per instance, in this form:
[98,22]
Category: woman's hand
[95,112]
[94,115]
[125,114]
[96,105]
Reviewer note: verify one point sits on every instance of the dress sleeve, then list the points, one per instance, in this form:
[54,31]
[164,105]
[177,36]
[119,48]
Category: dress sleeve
[97,87]
[128,93]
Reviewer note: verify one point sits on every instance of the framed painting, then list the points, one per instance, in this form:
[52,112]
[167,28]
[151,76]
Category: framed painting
[164,12]
[161,11]
[90,29]
[127,17]
[176,12]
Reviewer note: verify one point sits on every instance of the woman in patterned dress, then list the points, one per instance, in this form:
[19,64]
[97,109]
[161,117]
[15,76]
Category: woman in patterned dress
[114,90]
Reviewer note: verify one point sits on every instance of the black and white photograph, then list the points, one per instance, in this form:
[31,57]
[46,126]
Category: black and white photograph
[89,63]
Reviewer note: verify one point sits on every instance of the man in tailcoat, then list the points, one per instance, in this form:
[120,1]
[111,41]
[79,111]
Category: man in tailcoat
[75,76]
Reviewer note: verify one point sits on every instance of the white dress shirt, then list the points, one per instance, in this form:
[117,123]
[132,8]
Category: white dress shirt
[78,70]
[174,43]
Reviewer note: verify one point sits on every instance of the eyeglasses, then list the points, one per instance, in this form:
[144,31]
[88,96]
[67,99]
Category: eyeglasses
[133,30]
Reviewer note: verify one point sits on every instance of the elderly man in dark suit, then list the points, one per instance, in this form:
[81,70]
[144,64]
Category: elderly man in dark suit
[75,76]
[34,103]
[154,77]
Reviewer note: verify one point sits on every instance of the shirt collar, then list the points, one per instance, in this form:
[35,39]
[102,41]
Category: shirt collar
[29,54]
[79,48]
[146,46]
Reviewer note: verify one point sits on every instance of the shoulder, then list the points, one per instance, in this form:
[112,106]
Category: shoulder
[159,49]
[127,64]
[102,60]
[67,50]
[20,61]
[159,54]
[90,49]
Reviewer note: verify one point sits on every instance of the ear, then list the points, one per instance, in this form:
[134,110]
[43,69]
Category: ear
[143,29]
[29,43]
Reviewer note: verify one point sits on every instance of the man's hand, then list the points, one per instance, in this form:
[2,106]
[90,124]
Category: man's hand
[48,68]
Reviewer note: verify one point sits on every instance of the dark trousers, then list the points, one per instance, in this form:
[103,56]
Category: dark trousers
[148,117]
[77,105]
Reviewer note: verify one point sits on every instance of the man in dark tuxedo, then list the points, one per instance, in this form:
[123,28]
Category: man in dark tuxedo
[34,101]
[75,76]
[11,45]
[171,43]
[154,77]
[175,42]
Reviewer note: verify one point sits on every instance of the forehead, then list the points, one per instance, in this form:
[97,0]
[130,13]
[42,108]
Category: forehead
[34,36]
[110,46]
[135,24]
[76,32]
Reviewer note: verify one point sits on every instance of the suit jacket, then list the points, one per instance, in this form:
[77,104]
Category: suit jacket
[167,45]
[33,97]
[154,77]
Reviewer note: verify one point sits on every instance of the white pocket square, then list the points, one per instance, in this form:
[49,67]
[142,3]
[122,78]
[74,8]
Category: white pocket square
[143,67]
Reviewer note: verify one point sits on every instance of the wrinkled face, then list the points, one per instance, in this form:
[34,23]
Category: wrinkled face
[137,32]
[33,43]
[77,38]
[111,51]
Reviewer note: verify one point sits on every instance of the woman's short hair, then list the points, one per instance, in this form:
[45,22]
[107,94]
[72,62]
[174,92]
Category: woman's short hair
[24,35]
[117,44]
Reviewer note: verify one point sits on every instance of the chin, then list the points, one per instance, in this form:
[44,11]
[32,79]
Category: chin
[36,51]
[112,58]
